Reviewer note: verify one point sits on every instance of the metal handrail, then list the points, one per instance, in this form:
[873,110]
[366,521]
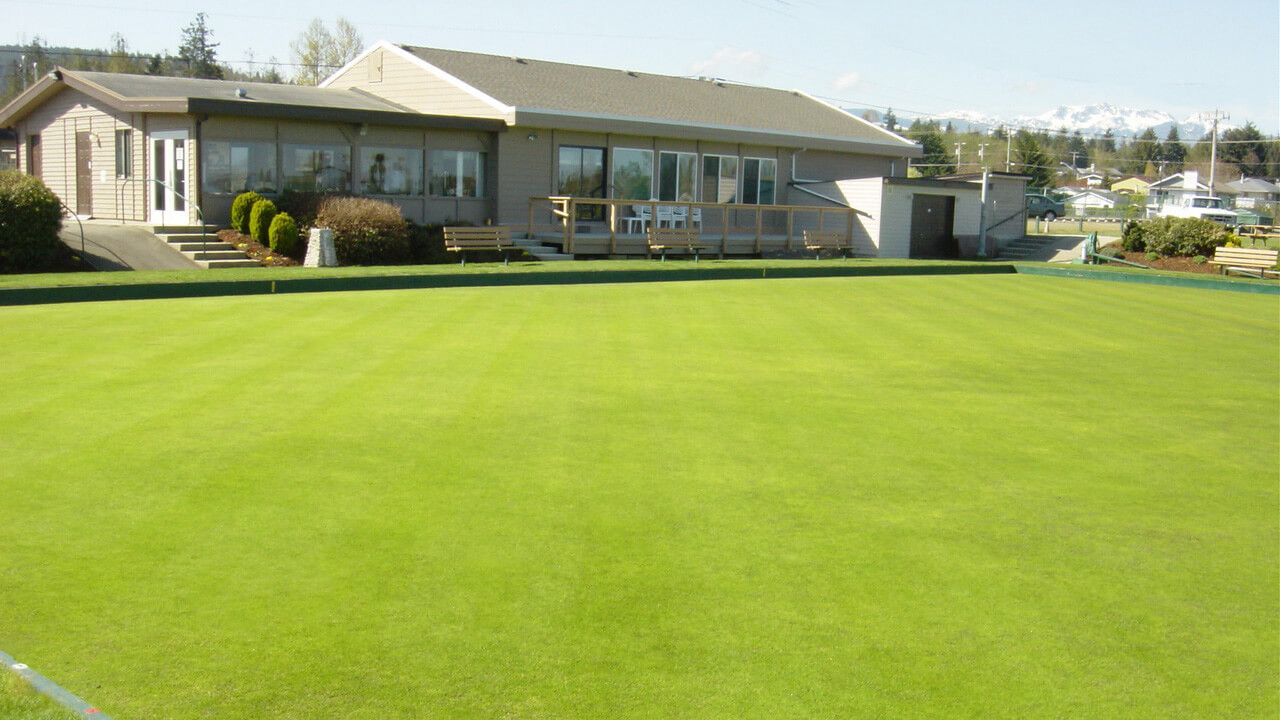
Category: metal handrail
[77,219]
[122,182]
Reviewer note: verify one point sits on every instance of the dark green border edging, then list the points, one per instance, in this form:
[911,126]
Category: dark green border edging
[1210,283]
[91,293]
[216,288]
[51,689]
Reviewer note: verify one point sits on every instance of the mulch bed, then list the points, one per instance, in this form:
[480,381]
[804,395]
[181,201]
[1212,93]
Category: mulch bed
[1180,264]
[255,249]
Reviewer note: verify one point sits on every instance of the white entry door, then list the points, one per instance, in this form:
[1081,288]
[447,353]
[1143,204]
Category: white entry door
[168,189]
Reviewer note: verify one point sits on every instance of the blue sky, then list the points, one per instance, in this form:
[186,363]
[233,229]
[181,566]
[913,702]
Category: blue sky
[999,57]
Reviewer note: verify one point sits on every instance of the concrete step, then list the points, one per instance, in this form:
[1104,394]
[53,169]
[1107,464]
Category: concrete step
[197,246]
[177,229]
[231,254]
[186,237]
[214,264]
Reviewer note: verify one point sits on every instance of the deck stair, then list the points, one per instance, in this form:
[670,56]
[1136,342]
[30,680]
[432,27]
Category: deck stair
[542,252]
[205,250]
[1027,248]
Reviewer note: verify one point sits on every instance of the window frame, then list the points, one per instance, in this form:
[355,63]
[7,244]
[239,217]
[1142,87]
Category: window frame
[277,175]
[124,153]
[613,185]
[458,178]
[284,150]
[759,180]
[693,181]
[417,186]
[737,178]
[585,212]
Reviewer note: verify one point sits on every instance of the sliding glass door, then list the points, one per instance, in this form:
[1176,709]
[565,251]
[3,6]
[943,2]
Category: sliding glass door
[581,171]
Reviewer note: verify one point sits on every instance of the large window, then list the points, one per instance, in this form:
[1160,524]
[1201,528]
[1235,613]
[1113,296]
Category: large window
[676,173]
[581,172]
[719,178]
[317,168]
[234,166]
[632,174]
[390,171]
[758,178]
[124,153]
[457,173]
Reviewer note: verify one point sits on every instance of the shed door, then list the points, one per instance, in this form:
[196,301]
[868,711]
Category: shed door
[84,173]
[932,217]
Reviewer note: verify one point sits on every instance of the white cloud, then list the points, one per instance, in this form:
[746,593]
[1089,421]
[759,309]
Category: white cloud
[1029,87]
[846,81]
[728,62]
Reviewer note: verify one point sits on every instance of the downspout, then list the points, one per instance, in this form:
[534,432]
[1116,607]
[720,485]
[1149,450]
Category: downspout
[982,222]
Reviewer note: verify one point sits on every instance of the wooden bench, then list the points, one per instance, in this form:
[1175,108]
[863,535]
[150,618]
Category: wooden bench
[488,237]
[1256,262]
[673,240]
[817,241]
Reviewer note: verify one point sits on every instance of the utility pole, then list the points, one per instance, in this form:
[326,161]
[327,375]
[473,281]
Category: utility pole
[982,155]
[1215,116]
[1008,151]
[958,146]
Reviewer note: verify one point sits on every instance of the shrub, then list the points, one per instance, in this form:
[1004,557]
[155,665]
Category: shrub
[303,206]
[1133,236]
[1153,256]
[241,207]
[260,220]
[1175,236]
[1199,259]
[366,231]
[30,218]
[284,235]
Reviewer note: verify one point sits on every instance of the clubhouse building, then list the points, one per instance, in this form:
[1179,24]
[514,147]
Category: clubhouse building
[457,136]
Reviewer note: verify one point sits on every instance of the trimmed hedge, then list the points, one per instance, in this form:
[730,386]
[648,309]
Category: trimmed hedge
[260,220]
[366,231]
[241,208]
[1185,237]
[30,219]
[284,236]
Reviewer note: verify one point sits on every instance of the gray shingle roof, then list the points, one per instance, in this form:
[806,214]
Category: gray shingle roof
[151,87]
[584,90]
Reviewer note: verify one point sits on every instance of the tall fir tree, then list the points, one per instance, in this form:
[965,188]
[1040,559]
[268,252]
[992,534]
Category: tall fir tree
[198,52]
[1172,152]
[1029,158]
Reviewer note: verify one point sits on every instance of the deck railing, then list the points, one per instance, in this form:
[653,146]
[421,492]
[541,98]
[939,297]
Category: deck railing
[564,217]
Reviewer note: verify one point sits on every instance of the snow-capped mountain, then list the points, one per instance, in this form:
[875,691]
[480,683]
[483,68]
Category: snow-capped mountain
[1088,119]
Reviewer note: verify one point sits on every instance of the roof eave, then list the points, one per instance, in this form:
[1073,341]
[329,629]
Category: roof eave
[542,117]
[25,102]
[211,106]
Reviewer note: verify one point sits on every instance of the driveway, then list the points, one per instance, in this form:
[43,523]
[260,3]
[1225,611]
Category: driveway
[108,245]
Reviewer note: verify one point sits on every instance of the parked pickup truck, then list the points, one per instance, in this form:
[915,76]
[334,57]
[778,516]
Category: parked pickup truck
[1043,206]
[1205,207]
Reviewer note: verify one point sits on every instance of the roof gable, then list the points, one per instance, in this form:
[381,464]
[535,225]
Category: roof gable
[552,88]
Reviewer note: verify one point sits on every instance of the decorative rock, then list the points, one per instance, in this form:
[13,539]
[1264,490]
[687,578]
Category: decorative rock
[320,250]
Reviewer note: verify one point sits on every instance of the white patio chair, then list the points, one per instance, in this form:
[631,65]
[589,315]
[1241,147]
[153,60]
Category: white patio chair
[666,214]
[639,217]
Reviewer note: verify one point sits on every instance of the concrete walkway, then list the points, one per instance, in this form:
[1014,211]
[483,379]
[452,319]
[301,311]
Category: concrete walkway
[108,245]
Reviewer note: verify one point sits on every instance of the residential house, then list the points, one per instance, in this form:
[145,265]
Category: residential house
[1174,189]
[1131,185]
[1251,192]
[448,136]
[1081,202]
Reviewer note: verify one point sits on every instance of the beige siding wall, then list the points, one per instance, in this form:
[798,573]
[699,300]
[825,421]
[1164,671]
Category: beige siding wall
[827,165]
[405,83]
[56,122]
[863,194]
[1006,196]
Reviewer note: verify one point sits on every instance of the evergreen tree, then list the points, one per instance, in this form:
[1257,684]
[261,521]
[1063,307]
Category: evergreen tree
[1109,141]
[1246,147]
[1078,150]
[198,52]
[1173,152]
[1145,149]
[1029,158]
[935,161]
[890,121]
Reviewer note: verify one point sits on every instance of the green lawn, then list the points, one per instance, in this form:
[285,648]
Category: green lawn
[20,701]
[980,496]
